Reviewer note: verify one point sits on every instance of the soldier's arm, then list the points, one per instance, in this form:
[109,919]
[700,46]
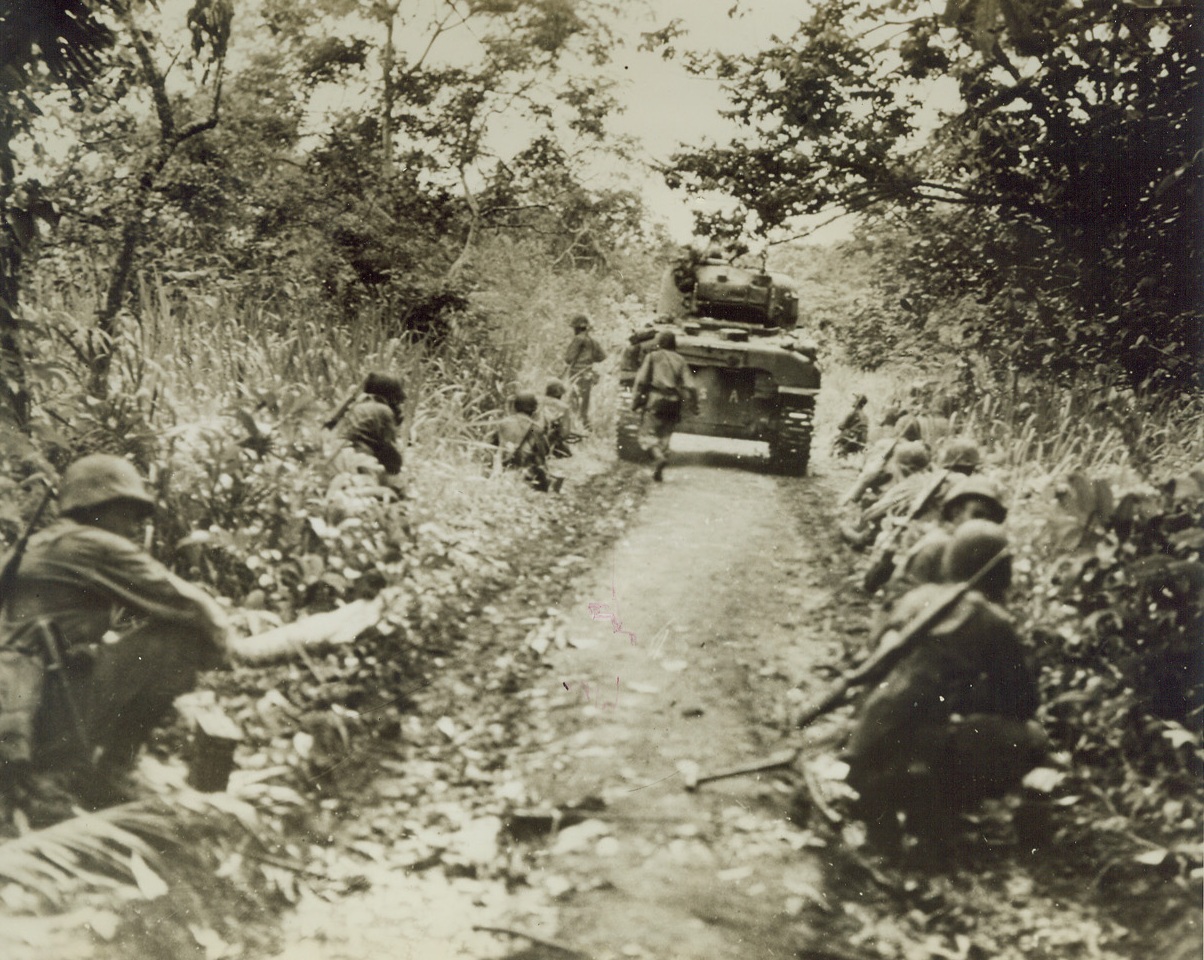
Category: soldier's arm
[642,383]
[142,583]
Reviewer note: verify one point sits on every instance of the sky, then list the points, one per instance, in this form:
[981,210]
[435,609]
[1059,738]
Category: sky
[666,107]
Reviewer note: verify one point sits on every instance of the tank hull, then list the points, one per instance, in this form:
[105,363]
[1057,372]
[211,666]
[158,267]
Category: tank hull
[761,391]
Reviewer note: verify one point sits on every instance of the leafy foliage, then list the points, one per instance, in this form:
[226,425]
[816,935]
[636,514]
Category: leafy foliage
[1038,196]
[1122,673]
[95,849]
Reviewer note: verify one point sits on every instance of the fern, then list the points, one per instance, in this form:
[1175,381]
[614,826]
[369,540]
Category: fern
[92,850]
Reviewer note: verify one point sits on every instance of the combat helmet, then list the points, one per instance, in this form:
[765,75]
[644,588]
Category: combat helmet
[980,488]
[974,544]
[961,454]
[387,389]
[579,322]
[924,563]
[370,423]
[101,478]
[912,456]
[555,388]
[525,402]
[666,340]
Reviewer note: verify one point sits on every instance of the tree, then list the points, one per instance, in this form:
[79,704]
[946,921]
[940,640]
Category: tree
[1075,138]
[67,38]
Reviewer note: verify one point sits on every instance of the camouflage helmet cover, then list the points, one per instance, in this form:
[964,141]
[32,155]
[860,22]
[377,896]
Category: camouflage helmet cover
[371,423]
[961,452]
[974,544]
[525,402]
[912,455]
[101,478]
[981,488]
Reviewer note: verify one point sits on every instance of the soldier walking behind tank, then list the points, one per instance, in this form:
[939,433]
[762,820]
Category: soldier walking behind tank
[853,432]
[664,387]
[951,723]
[581,358]
[523,446]
[97,639]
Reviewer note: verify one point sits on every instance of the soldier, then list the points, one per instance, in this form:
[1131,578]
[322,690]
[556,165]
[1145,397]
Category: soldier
[853,431]
[523,446]
[907,510]
[97,638]
[581,358]
[888,461]
[663,387]
[951,723]
[367,463]
[973,498]
[556,419]
[372,420]
[908,459]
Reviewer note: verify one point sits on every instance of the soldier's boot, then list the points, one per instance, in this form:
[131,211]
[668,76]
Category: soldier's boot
[658,465]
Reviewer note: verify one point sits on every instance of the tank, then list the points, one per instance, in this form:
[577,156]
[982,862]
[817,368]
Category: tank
[757,378]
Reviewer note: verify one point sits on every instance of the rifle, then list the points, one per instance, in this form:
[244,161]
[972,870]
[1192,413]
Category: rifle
[879,662]
[8,576]
[868,475]
[338,414]
[882,564]
[52,649]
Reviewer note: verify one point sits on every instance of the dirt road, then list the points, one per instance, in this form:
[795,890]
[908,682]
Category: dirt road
[680,645]
[682,648]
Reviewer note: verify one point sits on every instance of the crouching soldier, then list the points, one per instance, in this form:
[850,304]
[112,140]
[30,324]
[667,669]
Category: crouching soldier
[97,638]
[522,445]
[556,418]
[951,723]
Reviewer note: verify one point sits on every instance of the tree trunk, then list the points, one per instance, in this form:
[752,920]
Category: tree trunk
[135,224]
[389,14]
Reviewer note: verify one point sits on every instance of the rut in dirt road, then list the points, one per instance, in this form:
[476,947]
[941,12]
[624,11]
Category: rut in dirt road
[681,649]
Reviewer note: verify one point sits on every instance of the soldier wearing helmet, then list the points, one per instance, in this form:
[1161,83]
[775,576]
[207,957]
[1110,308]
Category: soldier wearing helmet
[371,421]
[581,359]
[131,634]
[556,419]
[951,723]
[910,460]
[949,499]
[522,444]
[853,431]
[663,390]
[961,456]
[973,498]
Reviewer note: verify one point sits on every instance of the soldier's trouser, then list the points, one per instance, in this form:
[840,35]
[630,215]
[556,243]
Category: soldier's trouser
[945,768]
[583,385]
[120,693]
[654,435]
